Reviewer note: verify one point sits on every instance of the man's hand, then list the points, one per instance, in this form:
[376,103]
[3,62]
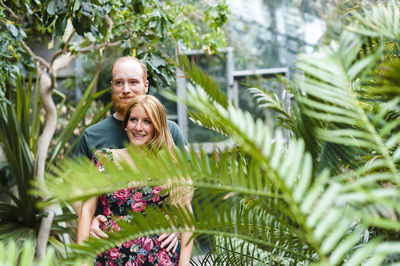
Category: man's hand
[169,240]
[95,230]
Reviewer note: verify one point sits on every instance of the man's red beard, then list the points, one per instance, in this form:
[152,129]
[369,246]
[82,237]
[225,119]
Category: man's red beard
[119,104]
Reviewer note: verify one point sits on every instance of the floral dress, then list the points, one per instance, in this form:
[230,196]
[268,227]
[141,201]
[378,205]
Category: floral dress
[141,251]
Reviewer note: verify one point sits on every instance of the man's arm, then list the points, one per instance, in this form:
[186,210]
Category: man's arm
[177,135]
[81,149]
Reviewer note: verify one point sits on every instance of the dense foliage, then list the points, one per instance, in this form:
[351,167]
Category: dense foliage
[29,115]
[328,195]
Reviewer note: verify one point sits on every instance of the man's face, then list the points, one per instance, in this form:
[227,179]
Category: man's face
[127,81]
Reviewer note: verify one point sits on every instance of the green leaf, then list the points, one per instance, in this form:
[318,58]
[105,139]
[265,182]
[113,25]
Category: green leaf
[77,5]
[61,23]
[51,7]
[12,28]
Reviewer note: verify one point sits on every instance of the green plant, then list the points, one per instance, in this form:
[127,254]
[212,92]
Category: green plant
[265,199]
[21,120]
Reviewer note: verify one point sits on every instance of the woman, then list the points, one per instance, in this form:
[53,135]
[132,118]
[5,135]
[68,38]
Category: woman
[146,125]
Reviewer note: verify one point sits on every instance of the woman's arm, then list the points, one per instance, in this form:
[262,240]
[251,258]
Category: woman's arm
[85,219]
[186,243]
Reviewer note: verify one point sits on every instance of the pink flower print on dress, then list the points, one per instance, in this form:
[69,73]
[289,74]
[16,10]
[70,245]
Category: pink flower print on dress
[138,206]
[137,241]
[163,258]
[150,258]
[147,244]
[107,211]
[114,253]
[128,244]
[156,190]
[122,195]
[114,225]
[155,199]
[138,196]
[111,263]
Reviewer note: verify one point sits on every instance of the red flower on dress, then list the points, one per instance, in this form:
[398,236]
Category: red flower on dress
[138,196]
[163,258]
[150,258]
[111,263]
[135,263]
[156,190]
[107,211]
[155,199]
[147,244]
[137,241]
[122,195]
[138,205]
[114,225]
[128,244]
[114,253]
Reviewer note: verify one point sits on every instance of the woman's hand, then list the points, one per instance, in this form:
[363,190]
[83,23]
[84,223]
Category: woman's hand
[95,230]
[169,240]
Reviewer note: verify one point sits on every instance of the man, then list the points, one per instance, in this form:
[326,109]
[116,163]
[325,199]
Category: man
[128,78]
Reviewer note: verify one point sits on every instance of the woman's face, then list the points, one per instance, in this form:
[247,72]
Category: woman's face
[140,128]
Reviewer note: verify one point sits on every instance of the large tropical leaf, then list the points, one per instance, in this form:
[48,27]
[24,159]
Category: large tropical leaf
[332,86]
[295,219]
[20,124]
[262,199]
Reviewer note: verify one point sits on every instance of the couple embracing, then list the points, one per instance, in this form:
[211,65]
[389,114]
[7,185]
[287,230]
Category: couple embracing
[140,120]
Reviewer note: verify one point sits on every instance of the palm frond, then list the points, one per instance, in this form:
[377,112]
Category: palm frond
[331,95]
[288,170]
[199,77]
[13,254]
[379,20]
[266,99]
[263,197]
[15,140]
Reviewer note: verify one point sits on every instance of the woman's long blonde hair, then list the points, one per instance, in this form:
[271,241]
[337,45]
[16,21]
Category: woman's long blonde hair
[162,138]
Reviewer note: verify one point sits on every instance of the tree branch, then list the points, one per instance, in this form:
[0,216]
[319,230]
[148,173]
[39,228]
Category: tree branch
[59,61]
[67,37]
[9,10]
[34,56]
[94,46]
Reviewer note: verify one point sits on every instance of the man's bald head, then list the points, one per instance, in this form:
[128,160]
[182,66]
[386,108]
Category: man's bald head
[129,58]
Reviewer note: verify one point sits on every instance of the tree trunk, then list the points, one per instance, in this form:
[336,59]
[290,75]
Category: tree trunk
[46,86]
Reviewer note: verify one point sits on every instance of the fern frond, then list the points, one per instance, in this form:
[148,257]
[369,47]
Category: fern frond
[199,77]
[331,95]
[381,20]
[266,99]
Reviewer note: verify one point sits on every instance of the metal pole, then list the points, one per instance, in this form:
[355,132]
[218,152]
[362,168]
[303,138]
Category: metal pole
[232,90]
[180,92]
